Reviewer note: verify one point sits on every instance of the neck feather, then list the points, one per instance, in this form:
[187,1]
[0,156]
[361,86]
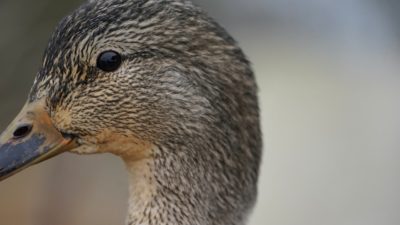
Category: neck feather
[162,196]
[177,188]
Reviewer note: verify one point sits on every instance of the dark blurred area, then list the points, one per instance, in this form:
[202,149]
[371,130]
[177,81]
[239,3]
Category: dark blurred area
[329,80]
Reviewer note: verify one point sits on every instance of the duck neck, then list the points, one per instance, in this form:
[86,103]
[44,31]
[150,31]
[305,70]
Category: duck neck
[142,191]
[161,192]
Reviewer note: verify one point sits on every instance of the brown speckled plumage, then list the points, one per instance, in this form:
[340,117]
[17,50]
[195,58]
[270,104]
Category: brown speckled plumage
[181,111]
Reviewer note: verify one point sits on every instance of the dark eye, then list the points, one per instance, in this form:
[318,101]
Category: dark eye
[109,61]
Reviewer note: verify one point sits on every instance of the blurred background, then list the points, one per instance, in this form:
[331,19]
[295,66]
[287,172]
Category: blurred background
[329,82]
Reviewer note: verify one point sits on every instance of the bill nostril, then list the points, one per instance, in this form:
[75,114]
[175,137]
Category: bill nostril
[22,131]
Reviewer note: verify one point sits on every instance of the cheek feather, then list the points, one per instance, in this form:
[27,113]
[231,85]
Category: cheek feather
[62,119]
[127,146]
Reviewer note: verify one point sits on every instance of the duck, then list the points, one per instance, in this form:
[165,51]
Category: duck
[163,86]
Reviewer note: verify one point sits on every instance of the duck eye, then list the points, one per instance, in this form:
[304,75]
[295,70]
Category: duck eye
[109,61]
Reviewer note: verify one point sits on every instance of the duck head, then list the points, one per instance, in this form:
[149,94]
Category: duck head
[159,84]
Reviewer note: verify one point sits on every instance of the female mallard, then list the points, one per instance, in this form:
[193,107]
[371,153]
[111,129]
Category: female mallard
[164,87]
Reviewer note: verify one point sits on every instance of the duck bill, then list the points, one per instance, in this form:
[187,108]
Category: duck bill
[30,139]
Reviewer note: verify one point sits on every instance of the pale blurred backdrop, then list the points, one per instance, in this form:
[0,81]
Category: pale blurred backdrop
[329,80]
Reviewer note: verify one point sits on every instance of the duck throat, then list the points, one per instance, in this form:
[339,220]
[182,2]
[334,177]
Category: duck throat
[142,191]
[182,185]
[161,193]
